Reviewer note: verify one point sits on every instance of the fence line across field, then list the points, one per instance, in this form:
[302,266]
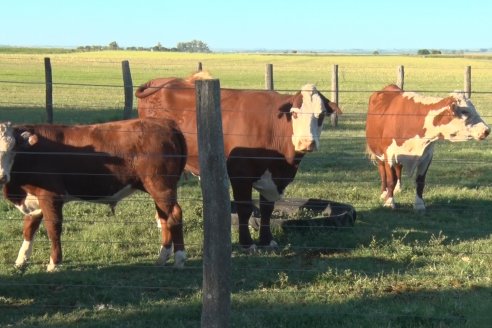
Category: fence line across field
[269,85]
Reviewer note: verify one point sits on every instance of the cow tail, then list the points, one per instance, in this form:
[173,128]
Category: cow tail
[370,154]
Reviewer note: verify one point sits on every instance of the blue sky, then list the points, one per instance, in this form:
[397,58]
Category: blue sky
[250,24]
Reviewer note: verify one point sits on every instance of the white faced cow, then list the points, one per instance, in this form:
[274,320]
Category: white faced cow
[401,130]
[45,166]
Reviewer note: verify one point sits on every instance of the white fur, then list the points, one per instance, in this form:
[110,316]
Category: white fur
[24,253]
[267,188]
[164,255]
[419,204]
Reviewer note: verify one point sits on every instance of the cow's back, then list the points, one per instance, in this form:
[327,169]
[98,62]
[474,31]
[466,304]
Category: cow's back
[250,119]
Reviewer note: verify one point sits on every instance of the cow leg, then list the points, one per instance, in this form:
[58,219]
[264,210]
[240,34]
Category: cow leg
[171,221]
[397,168]
[51,206]
[422,168]
[31,225]
[266,209]
[244,205]
[382,175]
[390,185]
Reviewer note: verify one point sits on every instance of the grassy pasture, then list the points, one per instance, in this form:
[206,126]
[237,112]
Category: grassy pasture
[392,269]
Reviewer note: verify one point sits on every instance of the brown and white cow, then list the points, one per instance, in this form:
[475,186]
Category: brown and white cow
[45,166]
[402,127]
[266,134]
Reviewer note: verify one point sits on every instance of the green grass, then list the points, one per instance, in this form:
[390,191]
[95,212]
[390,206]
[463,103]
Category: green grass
[392,269]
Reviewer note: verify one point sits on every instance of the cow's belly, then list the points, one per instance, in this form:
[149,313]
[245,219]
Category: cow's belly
[267,187]
[109,199]
[30,205]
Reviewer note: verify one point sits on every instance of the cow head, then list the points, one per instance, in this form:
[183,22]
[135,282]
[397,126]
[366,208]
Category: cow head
[460,120]
[9,142]
[307,119]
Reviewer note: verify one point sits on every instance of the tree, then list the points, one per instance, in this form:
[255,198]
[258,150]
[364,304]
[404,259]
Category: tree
[193,46]
[113,46]
[423,52]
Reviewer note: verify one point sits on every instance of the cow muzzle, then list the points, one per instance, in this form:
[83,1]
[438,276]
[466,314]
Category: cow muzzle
[306,146]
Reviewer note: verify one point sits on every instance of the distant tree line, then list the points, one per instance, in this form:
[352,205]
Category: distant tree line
[191,46]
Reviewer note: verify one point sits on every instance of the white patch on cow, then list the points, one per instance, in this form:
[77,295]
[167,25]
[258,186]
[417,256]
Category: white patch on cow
[30,206]
[7,143]
[390,202]
[52,267]
[267,188]
[397,187]
[164,255]
[305,124]
[24,253]
[179,259]
[419,204]
[421,99]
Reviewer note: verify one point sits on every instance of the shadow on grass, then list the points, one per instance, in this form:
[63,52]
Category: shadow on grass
[35,115]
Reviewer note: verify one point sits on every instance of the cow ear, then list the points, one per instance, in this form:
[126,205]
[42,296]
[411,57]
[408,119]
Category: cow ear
[28,139]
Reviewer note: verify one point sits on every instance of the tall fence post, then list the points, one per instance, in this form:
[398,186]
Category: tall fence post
[216,207]
[49,89]
[269,77]
[128,87]
[400,78]
[334,93]
[468,81]
[199,67]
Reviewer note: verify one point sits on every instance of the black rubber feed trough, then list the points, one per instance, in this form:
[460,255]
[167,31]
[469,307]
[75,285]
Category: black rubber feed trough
[303,214]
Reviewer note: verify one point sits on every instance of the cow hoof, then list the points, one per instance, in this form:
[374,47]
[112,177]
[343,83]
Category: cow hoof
[271,246]
[250,249]
[390,203]
[53,267]
[164,255]
[179,259]
[419,204]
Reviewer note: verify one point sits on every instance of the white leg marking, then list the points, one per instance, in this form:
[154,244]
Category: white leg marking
[419,204]
[24,253]
[164,255]
[397,187]
[52,267]
[383,194]
[179,259]
[390,202]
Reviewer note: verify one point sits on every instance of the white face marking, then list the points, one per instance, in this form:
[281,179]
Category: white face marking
[267,188]
[305,123]
[7,143]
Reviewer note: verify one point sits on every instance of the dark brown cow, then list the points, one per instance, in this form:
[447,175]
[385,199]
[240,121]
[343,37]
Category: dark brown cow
[45,166]
[266,134]
[401,130]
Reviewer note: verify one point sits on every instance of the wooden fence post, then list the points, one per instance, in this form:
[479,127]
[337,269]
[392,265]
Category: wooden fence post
[269,77]
[334,93]
[216,207]
[400,78]
[128,87]
[468,81]
[199,67]
[49,89]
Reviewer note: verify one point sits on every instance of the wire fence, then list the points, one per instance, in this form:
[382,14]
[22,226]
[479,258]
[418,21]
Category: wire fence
[305,258]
